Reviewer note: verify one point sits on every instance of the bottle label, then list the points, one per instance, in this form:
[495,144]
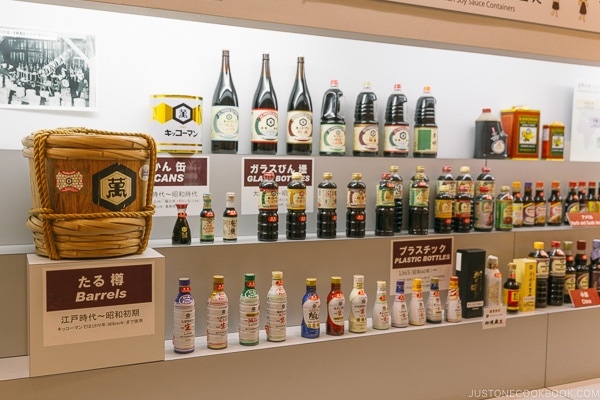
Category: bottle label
[469,184]
[426,139]
[229,228]
[555,212]
[543,268]
[558,266]
[528,214]
[453,310]
[418,197]
[299,126]
[225,123]
[310,312]
[434,307]
[366,138]
[357,198]
[491,185]
[207,228]
[570,283]
[385,195]
[574,207]
[540,213]
[396,139]
[399,312]
[517,214]
[268,199]
[398,190]
[333,138]
[511,299]
[484,214]
[184,324]
[504,213]
[296,199]
[264,125]
[335,309]
[416,310]
[381,313]
[450,184]
[443,208]
[357,322]
[582,281]
[462,209]
[327,198]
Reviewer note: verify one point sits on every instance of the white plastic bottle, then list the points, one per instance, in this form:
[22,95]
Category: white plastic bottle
[184,319]
[399,308]
[276,309]
[493,283]
[433,311]
[416,307]
[357,321]
[381,311]
[453,304]
[218,315]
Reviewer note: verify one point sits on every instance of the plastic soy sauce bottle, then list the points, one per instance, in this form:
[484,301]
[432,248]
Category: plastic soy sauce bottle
[366,128]
[485,178]
[295,227]
[381,310]
[396,136]
[276,309]
[336,303]
[225,112]
[218,315]
[311,307]
[433,310]
[418,210]
[356,201]
[443,210]
[399,308]
[264,126]
[384,206]
[556,274]
[542,272]
[398,197]
[184,319]
[483,206]
[268,220]
[332,141]
[230,220]
[249,312]
[490,139]
[570,272]
[425,129]
[299,115]
[447,179]
[462,212]
[326,206]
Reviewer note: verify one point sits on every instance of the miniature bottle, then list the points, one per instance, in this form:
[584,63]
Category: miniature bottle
[510,292]
[218,315]
[311,307]
[571,202]
[264,121]
[418,211]
[570,273]
[483,205]
[542,272]
[504,203]
[184,319]
[336,303]
[556,274]
[381,311]
[425,130]
[326,208]
[299,115]
[453,306]
[399,308]
[181,230]
[493,283]
[591,197]
[398,197]
[366,128]
[295,227]
[433,310]
[357,321]
[528,206]
[396,136]
[555,205]
[356,201]
[594,281]
[443,210]
[207,220]
[462,211]
[333,125]
[268,203]
[230,219]
[582,271]
[416,306]
[225,112]
[540,205]
[517,205]
[384,206]
[276,309]
[249,312]
[582,193]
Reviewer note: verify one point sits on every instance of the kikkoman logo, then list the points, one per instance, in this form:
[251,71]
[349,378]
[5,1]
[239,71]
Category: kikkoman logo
[114,188]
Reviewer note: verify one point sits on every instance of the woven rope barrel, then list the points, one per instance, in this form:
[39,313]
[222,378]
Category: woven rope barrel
[91,192]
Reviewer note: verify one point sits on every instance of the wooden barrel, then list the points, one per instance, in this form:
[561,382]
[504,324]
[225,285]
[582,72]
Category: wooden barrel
[91,192]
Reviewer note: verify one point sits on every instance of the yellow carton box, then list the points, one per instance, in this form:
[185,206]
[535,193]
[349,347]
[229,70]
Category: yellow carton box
[526,270]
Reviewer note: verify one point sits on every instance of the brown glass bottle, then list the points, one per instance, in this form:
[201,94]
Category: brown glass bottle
[268,198]
[510,292]
[528,206]
[335,308]
[571,201]
[570,273]
[462,211]
[299,115]
[356,201]
[541,275]
[418,206]
[556,275]
[225,112]
[555,204]
[582,271]
[540,205]
[265,118]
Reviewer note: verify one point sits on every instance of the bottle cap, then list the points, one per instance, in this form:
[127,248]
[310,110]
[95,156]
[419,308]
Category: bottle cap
[465,169]
[249,277]
[527,185]
[218,279]
[206,196]
[572,184]
[357,176]
[555,243]
[420,168]
[485,169]
[492,260]
[333,83]
[381,285]
[555,184]
[538,245]
[487,110]
[417,284]
[296,176]
[567,245]
[336,279]
[184,282]
[592,184]
[268,175]
[393,168]
[435,281]
[505,188]
[446,169]
[327,175]
[427,89]
[276,275]
[516,185]
[582,184]
[311,281]
[230,195]
[581,244]
[359,278]
[539,185]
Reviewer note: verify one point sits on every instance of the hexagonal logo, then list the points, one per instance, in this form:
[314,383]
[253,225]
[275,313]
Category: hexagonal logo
[114,188]
[182,113]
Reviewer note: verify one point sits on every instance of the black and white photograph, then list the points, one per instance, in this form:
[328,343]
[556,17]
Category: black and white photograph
[46,70]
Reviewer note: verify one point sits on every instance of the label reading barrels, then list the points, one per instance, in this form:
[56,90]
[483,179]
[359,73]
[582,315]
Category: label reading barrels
[114,188]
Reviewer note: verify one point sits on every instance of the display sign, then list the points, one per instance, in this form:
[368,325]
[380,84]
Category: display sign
[494,317]
[583,220]
[86,314]
[421,258]
[584,297]
[253,170]
[573,14]
[179,179]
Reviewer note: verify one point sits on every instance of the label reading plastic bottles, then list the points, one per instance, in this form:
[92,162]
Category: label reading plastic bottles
[366,138]
[396,139]
[333,138]
[265,125]
[225,123]
[300,127]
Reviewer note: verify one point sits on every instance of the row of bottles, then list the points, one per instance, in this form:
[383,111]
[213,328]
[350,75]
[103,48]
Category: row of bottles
[402,313]
[461,204]
[264,126]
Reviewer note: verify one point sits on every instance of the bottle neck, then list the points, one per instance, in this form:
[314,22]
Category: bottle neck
[225,65]
[336,287]
[185,289]
[266,70]
[300,70]
[218,287]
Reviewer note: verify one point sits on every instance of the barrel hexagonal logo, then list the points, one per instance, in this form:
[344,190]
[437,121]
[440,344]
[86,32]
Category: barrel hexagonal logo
[114,188]
[182,113]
